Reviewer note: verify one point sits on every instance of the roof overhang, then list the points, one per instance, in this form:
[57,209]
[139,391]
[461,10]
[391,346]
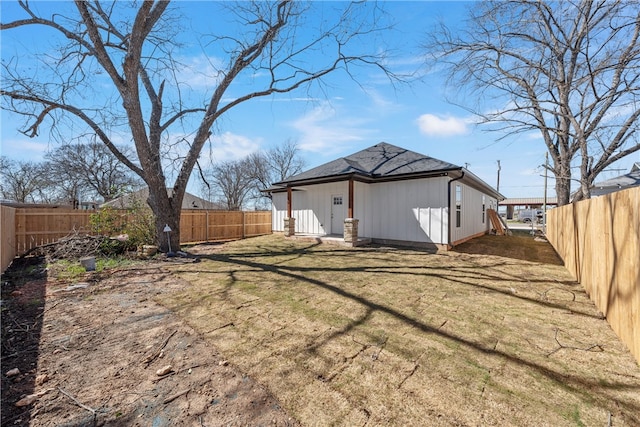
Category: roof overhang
[368,179]
[460,173]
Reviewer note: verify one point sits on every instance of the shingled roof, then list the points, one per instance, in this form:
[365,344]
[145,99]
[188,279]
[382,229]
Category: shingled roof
[380,162]
[189,201]
[628,180]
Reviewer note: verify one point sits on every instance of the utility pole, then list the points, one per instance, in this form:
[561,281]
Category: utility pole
[544,206]
[498,190]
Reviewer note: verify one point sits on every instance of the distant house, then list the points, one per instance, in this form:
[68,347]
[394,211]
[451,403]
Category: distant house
[622,182]
[390,195]
[189,202]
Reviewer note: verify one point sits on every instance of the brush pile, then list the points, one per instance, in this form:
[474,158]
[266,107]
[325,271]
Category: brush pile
[74,246]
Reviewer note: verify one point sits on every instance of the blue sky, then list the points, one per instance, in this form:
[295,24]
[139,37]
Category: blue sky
[344,117]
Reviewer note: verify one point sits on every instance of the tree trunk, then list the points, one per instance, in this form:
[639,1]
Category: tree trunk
[563,190]
[166,211]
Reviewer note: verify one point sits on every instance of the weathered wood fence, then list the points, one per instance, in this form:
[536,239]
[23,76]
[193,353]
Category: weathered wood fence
[7,232]
[23,229]
[599,241]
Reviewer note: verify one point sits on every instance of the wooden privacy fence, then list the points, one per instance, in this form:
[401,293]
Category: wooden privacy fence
[198,225]
[599,241]
[23,229]
[8,243]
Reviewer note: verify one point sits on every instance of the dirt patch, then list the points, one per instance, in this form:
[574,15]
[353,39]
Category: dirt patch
[90,352]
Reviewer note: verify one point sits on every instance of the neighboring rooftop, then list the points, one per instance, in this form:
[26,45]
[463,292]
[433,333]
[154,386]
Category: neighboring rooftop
[528,201]
[189,201]
[628,180]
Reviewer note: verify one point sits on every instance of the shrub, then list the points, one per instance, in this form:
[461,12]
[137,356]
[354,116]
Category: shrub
[137,222]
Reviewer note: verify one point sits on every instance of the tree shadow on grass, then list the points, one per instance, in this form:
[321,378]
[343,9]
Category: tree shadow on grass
[574,383]
[521,247]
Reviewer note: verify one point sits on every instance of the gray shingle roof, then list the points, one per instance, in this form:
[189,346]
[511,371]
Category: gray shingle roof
[377,162]
[189,201]
[621,182]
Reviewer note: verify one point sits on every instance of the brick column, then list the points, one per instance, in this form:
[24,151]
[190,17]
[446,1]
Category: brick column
[289,227]
[351,230]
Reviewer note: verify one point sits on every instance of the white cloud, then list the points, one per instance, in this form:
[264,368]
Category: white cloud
[199,72]
[432,125]
[229,146]
[24,149]
[220,148]
[323,130]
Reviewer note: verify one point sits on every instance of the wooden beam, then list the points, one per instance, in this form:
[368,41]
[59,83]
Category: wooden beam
[350,209]
[288,202]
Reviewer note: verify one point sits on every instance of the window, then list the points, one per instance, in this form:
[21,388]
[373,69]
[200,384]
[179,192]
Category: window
[483,208]
[337,200]
[458,205]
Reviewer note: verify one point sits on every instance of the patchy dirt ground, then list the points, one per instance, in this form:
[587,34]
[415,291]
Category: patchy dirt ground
[101,352]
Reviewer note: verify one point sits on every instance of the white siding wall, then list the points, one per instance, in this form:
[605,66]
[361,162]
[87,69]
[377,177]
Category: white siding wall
[278,211]
[311,208]
[412,210]
[471,220]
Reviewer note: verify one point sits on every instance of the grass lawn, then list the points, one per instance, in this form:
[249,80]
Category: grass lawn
[389,336]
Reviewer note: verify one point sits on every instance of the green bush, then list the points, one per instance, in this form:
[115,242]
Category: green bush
[141,225]
[107,222]
[137,222]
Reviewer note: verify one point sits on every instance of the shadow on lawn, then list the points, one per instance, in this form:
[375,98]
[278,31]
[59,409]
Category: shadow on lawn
[518,246]
[456,274]
[565,381]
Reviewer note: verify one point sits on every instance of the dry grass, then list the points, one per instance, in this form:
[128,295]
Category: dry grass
[386,336]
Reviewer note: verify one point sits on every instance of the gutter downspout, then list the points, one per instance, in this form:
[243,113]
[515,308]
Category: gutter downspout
[449,234]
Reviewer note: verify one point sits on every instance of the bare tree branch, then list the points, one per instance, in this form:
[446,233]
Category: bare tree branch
[116,73]
[568,70]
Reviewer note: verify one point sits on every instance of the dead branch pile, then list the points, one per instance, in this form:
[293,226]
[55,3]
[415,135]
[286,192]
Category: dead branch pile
[73,246]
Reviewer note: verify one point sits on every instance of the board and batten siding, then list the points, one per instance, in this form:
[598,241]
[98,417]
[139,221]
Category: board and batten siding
[472,221]
[311,208]
[411,210]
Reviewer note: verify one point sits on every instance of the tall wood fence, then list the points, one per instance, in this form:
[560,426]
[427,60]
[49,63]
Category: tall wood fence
[7,232]
[599,241]
[26,228]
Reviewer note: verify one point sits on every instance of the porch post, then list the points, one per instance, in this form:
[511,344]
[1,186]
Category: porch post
[289,221]
[350,208]
[350,223]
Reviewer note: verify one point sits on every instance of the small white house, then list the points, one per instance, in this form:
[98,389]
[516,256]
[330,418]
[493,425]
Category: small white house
[385,194]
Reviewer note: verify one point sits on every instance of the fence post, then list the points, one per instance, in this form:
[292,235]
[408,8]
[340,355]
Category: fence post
[244,224]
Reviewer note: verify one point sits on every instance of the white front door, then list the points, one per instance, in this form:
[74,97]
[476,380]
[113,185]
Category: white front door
[337,214]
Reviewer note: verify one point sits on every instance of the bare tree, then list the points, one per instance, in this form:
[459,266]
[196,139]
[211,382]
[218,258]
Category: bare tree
[569,70]
[23,182]
[274,165]
[127,50]
[90,171]
[232,181]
